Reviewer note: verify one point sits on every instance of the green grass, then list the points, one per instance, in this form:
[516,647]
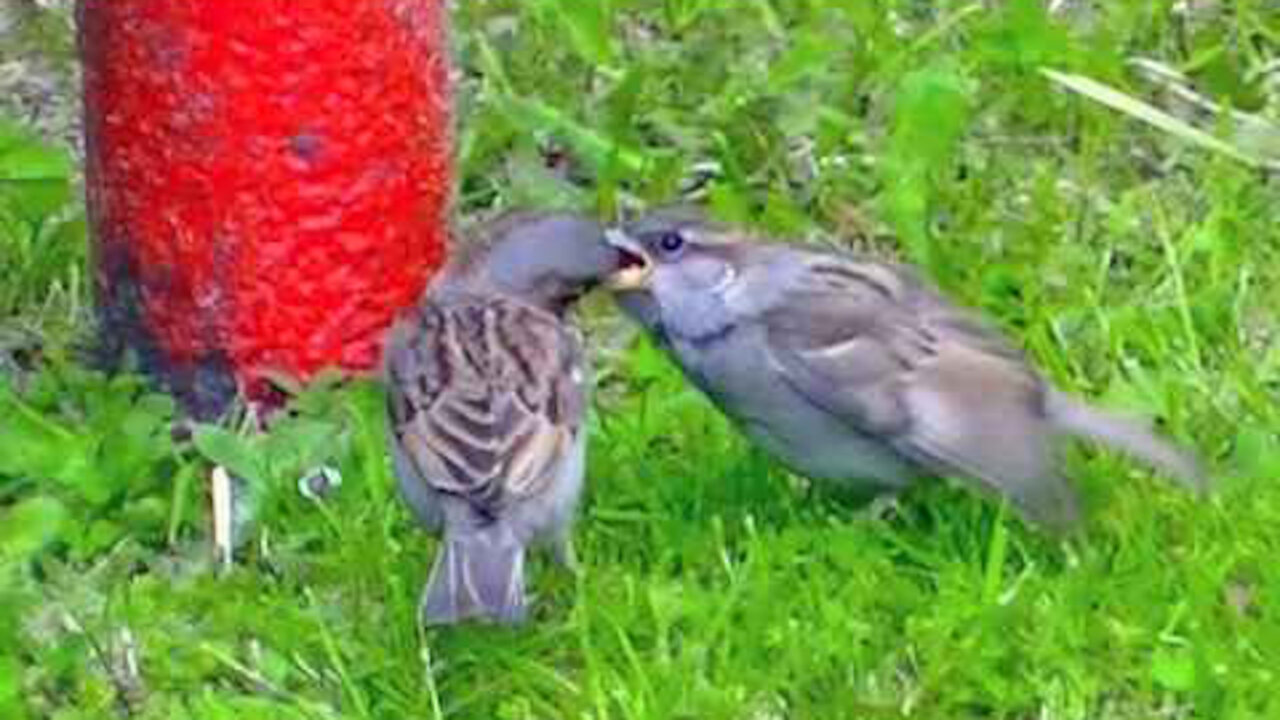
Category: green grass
[1135,266]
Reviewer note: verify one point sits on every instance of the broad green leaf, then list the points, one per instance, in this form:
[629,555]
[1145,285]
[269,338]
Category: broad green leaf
[23,157]
[301,444]
[1257,453]
[589,27]
[930,115]
[531,183]
[807,56]
[1025,36]
[11,688]
[1173,669]
[38,446]
[234,452]
[34,177]
[29,525]
[539,117]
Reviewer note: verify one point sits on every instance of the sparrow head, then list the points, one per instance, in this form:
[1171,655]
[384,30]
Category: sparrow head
[680,268]
[548,259]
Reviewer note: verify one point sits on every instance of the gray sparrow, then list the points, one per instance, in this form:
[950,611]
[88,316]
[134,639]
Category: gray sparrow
[857,370]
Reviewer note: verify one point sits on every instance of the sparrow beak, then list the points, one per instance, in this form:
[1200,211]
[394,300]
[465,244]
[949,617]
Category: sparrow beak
[635,268]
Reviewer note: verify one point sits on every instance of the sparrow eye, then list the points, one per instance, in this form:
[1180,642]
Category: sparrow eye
[670,242]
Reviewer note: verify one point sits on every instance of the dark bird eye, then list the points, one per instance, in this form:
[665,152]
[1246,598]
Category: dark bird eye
[670,242]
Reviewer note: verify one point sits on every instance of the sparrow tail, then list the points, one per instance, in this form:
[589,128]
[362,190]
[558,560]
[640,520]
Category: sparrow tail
[478,575]
[1127,434]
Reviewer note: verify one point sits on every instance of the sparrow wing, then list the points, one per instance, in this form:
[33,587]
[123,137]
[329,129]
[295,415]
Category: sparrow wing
[869,343]
[486,397]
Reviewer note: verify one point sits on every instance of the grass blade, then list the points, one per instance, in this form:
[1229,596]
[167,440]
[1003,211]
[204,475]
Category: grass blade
[1148,113]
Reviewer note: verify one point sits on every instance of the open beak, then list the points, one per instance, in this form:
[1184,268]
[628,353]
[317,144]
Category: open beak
[635,269]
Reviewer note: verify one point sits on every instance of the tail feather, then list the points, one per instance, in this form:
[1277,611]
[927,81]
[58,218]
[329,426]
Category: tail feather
[476,576]
[1127,434]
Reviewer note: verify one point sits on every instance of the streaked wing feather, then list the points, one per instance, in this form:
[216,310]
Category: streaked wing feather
[981,416]
[827,339]
[888,356]
[477,397]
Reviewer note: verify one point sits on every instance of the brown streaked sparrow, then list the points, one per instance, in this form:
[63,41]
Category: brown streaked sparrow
[487,392]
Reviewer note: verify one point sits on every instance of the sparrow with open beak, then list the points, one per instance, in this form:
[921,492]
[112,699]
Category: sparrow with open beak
[856,370]
[487,391]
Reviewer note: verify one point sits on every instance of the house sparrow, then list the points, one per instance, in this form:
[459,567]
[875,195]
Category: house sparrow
[487,391]
[857,370]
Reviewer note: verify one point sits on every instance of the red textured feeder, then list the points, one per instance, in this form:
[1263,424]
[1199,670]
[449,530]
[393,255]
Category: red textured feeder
[267,181]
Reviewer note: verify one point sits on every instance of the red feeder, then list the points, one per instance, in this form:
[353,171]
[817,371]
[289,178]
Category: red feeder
[268,182]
